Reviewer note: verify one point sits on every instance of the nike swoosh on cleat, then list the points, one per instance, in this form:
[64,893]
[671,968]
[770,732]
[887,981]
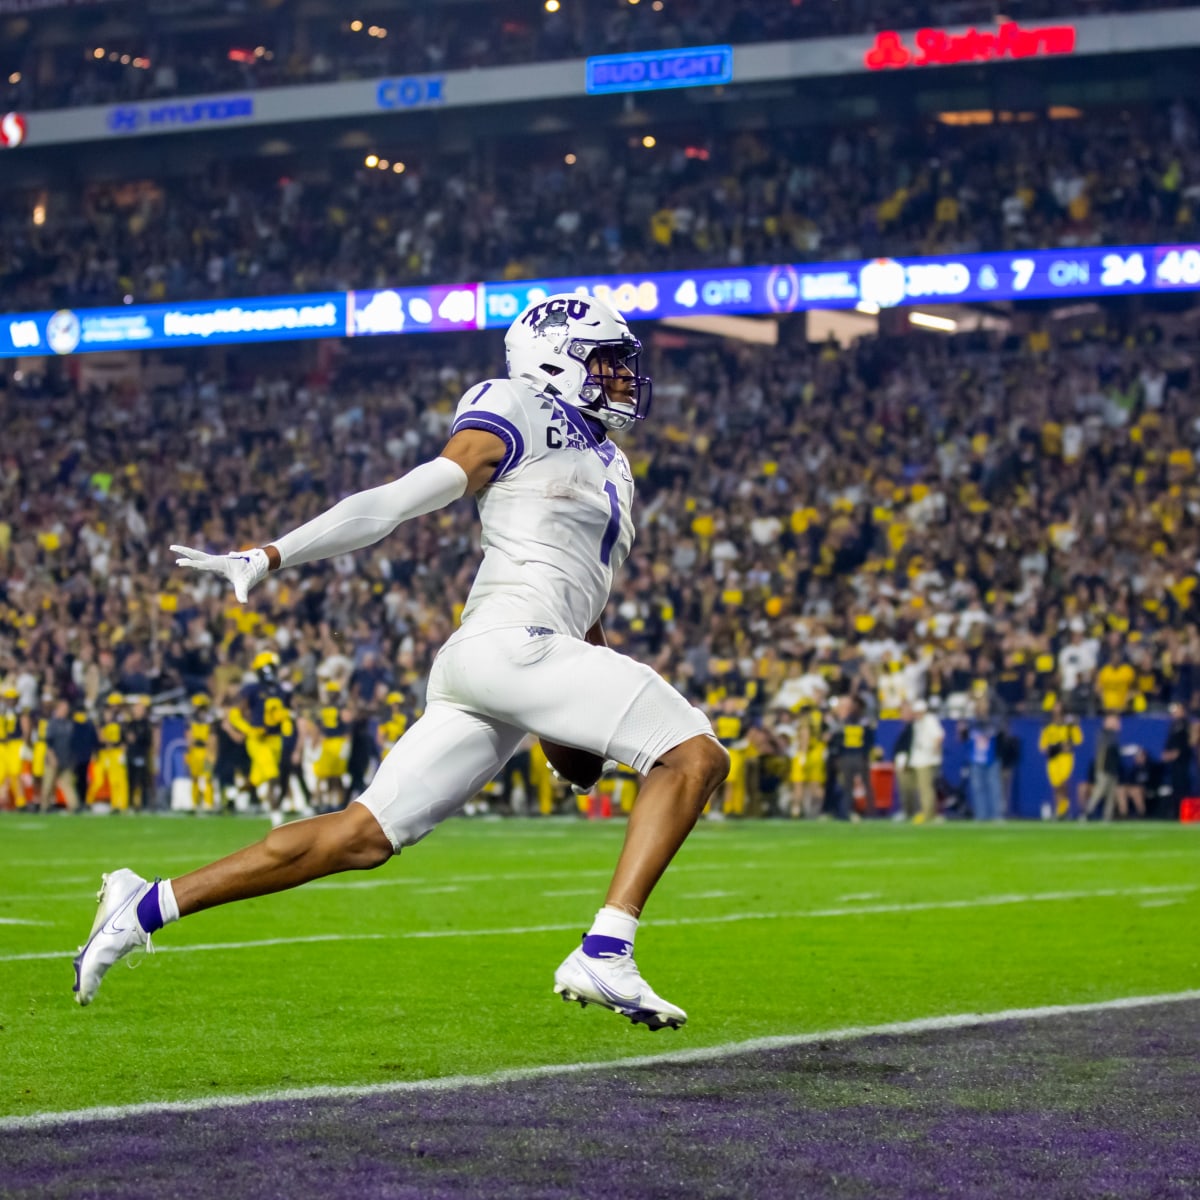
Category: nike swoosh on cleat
[109,927]
[608,992]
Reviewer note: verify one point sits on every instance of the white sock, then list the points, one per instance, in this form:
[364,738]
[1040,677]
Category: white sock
[614,923]
[168,907]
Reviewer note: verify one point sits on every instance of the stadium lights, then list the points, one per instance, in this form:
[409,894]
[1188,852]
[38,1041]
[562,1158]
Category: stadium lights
[552,6]
[355,26]
[98,52]
[384,164]
[125,60]
[398,168]
[657,5]
[649,141]
[39,214]
[924,320]
[569,159]
[15,77]
[372,160]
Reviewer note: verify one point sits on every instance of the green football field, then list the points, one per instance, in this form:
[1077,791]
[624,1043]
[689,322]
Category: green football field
[441,962]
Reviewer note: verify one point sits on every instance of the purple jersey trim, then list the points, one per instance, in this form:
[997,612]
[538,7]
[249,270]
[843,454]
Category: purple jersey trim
[578,422]
[503,428]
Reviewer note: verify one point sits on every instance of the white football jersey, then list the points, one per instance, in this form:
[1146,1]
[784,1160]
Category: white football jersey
[557,515]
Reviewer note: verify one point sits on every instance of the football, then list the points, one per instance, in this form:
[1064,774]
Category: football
[578,767]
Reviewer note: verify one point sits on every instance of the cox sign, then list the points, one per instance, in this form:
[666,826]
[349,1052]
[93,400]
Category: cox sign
[412,91]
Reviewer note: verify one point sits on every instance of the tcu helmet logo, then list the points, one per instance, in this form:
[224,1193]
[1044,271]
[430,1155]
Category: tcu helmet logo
[556,312]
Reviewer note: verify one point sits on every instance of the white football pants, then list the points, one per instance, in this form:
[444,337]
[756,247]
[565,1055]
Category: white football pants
[488,689]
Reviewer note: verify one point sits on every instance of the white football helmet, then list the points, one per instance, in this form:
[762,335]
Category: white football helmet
[549,346]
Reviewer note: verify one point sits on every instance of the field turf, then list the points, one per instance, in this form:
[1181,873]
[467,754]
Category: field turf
[440,964]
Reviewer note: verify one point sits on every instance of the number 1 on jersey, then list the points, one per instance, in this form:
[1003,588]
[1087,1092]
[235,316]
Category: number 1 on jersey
[614,522]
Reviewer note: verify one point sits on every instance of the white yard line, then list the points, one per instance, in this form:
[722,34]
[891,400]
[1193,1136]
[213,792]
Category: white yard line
[19,921]
[858,910]
[522,1074]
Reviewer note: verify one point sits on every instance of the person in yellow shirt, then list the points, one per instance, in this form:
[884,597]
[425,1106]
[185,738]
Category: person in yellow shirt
[1114,684]
[1058,742]
[10,749]
[201,753]
[39,725]
[263,719]
[109,779]
[333,753]
[392,730]
[808,766]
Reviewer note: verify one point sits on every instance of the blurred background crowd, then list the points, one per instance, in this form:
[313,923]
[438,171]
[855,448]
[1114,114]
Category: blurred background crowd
[700,200]
[898,520]
[275,45]
[884,547]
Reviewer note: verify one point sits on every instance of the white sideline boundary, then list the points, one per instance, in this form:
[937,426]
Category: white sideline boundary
[857,910]
[450,1083]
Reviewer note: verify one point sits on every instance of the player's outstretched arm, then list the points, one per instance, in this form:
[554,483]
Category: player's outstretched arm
[464,466]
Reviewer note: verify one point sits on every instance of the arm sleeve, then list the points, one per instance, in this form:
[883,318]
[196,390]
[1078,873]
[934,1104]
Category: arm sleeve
[366,517]
[496,407]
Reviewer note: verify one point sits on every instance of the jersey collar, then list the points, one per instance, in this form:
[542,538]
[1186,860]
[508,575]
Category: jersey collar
[583,427]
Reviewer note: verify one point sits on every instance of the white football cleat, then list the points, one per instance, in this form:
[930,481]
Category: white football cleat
[115,932]
[615,982]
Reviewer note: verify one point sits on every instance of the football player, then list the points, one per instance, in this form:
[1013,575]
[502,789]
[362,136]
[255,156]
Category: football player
[261,717]
[555,498]
[198,759]
[333,752]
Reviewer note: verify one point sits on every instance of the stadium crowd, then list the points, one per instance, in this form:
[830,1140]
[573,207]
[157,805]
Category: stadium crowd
[779,196]
[279,48]
[970,523]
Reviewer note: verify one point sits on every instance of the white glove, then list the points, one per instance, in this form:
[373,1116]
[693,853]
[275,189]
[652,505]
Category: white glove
[243,568]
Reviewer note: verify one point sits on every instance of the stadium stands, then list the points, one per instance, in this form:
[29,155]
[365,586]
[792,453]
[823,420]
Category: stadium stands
[774,196]
[1010,511]
[848,511]
[175,57]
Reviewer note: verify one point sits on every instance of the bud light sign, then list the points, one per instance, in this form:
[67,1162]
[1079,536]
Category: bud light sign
[659,69]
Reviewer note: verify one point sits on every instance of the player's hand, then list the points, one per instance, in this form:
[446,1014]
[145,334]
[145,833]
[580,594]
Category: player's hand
[243,568]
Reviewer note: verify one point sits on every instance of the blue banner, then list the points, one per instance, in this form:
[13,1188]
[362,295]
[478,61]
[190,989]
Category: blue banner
[1029,786]
[655,70]
[153,326]
[870,285]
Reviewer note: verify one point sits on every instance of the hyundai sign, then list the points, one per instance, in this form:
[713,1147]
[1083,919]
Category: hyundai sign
[160,116]
[659,69]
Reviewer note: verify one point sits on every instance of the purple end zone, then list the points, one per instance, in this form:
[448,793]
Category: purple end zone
[1097,1105]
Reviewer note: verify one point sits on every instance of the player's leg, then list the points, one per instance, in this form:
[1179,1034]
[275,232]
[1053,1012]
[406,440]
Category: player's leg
[676,788]
[440,763]
[595,699]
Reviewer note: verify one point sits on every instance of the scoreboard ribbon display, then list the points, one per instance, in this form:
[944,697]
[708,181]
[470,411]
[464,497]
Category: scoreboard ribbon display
[872,284]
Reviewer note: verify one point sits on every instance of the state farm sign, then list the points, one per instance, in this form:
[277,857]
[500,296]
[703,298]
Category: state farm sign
[939,48]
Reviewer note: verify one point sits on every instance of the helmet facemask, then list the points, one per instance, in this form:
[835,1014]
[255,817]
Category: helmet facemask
[614,392]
